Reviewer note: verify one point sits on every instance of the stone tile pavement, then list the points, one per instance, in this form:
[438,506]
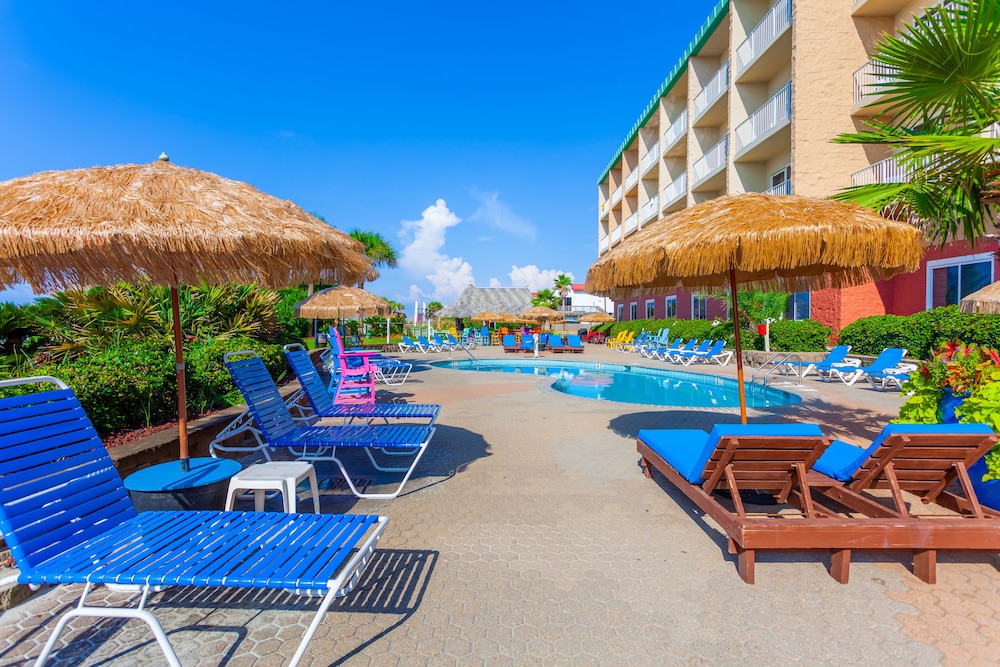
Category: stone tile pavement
[528,536]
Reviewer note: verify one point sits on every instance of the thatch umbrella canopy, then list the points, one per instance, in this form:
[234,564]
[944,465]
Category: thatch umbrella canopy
[759,241]
[596,318]
[543,313]
[331,302]
[510,317]
[172,225]
[486,316]
[985,300]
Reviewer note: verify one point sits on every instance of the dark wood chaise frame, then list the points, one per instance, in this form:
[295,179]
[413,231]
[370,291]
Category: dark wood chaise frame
[781,466]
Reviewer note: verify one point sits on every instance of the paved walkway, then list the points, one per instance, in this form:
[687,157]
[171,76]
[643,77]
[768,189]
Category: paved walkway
[529,536]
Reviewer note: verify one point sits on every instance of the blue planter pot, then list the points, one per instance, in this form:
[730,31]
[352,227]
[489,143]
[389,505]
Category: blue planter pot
[946,407]
[987,492]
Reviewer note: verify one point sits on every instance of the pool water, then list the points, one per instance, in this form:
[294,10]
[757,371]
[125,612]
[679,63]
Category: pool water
[633,384]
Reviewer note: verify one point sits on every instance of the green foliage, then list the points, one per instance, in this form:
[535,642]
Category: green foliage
[799,336]
[433,307]
[376,326]
[920,333]
[547,298]
[209,385]
[786,335]
[285,310]
[758,307]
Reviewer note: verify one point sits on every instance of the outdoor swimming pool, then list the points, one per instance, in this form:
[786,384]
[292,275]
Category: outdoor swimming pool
[632,384]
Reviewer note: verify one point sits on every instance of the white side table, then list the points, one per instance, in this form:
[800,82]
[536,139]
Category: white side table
[281,476]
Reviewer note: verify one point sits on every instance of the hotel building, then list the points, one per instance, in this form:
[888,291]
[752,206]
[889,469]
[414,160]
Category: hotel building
[752,106]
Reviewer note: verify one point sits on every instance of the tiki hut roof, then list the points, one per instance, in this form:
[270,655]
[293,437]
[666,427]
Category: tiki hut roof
[985,300]
[474,300]
[342,301]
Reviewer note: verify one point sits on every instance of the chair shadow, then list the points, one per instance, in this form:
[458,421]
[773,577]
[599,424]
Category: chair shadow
[395,582]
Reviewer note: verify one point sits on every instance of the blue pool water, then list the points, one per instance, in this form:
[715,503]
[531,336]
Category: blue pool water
[633,384]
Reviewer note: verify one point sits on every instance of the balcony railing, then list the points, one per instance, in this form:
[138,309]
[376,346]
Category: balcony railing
[651,157]
[616,235]
[780,189]
[775,22]
[871,79]
[605,209]
[675,190]
[631,223]
[884,171]
[774,113]
[616,196]
[675,131]
[631,180]
[712,161]
[712,91]
[650,209]
[603,244]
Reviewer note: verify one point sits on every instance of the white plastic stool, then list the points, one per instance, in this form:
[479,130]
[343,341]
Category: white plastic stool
[281,476]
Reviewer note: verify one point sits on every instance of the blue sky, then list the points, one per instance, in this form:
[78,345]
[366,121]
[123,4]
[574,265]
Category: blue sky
[471,135]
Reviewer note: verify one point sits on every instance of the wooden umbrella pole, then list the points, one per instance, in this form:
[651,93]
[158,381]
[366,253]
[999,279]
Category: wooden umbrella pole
[739,346]
[182,434]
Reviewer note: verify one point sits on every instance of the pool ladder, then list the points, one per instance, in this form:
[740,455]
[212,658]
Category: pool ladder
[775,360]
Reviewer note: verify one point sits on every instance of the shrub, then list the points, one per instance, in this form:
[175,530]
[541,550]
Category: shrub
[209,385]
[798,336]
[921,333]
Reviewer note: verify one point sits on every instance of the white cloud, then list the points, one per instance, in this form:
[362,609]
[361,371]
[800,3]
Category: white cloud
[533,278]
[497,214]
[422,255]
[495,283]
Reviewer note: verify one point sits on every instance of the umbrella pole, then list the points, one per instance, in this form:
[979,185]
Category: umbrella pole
[739,346]
[182,437]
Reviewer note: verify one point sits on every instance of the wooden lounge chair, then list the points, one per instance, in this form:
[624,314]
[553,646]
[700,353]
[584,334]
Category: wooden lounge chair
[573,343]
[68,519]
[556,344]
[509,342]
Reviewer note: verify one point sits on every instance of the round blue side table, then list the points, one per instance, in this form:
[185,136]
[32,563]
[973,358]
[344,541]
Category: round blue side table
[166,486]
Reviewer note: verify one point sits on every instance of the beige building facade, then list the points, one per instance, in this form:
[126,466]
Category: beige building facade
[752,106]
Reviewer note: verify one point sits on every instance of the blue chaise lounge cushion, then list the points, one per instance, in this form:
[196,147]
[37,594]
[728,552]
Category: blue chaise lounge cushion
[688,450]
[841,460]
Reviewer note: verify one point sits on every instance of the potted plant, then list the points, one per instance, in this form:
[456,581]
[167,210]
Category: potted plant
[960,383]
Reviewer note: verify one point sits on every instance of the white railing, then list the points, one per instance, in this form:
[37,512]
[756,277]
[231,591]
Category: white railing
[605,209]
[675,190]
[675,131]
[651,208]
[631,180]
[871,79]
[712,161]
[603,244]
[884,171]
[616,196]
[780,189]
[651,157]
[712,91]
[775,22]
[631,223]
[616,235]
[774,113]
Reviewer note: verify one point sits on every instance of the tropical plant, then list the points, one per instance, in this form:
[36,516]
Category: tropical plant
[758,307]
[379,251]
[562,286]
[15,326]
[942,110]
[433,307]
[545,297]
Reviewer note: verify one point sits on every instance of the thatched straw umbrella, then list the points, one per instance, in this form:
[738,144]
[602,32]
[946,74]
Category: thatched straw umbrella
[596,318]
[543,314]
[758,241]
[169,224]
[985,300]
[330,302]
[485,316]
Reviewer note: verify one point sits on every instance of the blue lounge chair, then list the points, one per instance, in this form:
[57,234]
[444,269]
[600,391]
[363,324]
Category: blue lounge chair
[323,405]
[509,342]
[802,368]
[715,353]
[573,343]
[680,355]
[888,358]
[428,346]
[527,343]
[407,344]
[68,519]
[891,378]
[277,428]
[689,346]
[556,343]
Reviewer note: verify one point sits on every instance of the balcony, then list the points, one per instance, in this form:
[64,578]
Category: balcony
[616,235]
[884,171]
[605,209]
[675,191]
[650,159]
[871,82]
[878,7]
[764,35]
[711,163]
[676,130]
[763,123]
[631,223]
[650,209]
[712,92]
[616,196]
[631,181]
[603,244]
[780,189]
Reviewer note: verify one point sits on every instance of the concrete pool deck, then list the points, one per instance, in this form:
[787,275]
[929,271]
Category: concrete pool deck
[528,535]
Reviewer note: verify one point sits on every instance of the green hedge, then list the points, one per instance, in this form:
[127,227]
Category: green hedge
[786,335]
[920,333]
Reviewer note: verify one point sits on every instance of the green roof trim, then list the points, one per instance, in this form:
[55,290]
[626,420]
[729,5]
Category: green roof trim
[707,28]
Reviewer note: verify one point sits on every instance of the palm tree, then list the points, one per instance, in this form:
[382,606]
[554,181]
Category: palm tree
[941,119]
[563,285]
[545,297]
[379,251]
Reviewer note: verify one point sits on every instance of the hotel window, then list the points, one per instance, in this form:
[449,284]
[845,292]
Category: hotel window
[621,312]
[783,177]
[633,310]
[670,307]
[797,307]
[650,309]
[699,307]
[950,280]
